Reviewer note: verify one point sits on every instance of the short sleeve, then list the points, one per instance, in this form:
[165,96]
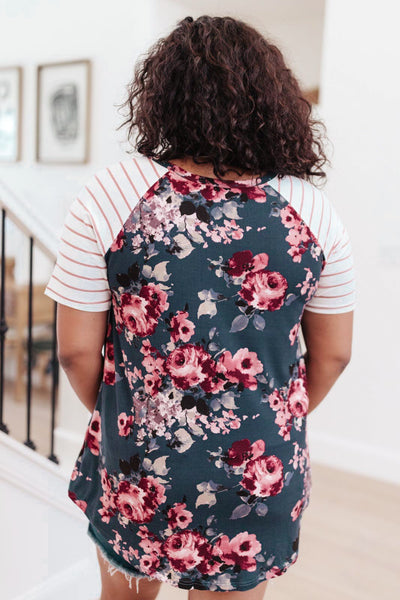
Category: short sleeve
[79,278]
[336,291]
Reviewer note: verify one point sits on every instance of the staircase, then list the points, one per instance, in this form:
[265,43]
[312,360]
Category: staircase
[46,552]
[44,548]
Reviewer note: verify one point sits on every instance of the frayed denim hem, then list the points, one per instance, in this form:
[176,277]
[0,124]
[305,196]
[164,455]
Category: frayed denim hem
[113,566]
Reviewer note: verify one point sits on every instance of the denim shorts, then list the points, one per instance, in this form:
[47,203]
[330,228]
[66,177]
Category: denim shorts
[114,561]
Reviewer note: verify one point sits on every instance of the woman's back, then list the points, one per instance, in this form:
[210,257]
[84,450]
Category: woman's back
[196,453]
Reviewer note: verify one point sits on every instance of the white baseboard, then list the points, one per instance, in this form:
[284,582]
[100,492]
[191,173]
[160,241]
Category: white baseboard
[355,457]
[36,475]
[81,581]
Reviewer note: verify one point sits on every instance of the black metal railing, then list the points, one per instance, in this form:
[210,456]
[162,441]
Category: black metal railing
[3,323]
[29,348]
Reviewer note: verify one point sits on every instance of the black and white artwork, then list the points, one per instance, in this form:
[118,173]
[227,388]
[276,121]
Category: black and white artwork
[63,112]
[10,113]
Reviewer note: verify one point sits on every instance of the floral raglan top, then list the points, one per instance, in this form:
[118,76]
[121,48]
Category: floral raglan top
[194,467]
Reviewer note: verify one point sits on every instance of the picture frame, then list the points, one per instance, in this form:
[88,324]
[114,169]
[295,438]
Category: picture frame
[63,112]
[10,113]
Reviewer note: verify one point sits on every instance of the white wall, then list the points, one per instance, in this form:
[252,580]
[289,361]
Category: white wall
[357,424]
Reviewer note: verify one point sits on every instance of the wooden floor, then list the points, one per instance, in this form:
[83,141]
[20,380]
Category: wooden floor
[349,543]
[350,534]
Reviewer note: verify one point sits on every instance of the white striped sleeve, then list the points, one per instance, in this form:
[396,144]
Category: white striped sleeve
[95,218]
[79,279]
[336,292]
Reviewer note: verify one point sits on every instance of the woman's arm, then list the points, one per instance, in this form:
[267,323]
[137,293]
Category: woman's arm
[328,339]
[81,337]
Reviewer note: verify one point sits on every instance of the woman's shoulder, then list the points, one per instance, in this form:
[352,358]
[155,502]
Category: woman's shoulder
[111,192]
[123,181]
[291,188]
[314,207]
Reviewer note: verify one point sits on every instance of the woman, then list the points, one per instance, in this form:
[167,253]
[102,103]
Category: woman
[196,261]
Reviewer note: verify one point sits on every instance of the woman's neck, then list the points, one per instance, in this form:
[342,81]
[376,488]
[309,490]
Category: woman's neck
[206,169]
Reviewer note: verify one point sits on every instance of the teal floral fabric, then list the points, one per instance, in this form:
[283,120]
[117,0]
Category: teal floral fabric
[195,466]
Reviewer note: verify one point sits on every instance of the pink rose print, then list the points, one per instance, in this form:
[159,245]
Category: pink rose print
[240,550]
[242,367]
[297,510]
[299,236]
[188,549]
[182,185]
[276,571]
[118,243]
[260,261]
[152,383]
[289,216]
[109,365]
[156,298]
[135,317]
[298,398]
[107,499]
[257,194]
[296,253]
[152,364]
[138,502]
[178,516]
[124,424]
[149,541]
[293,333]
[183,549]
[243,261]
[242,451]
[130,501]
[185,365]
[239,452]
[79,503]
[213,193]
[264,289]
[93,433]
[149,564]
[291,404]
[239,263]
[155,491]
[181,328]
[140,313]
[213,382]
[302,369]
[117,313]
[276,401]
[263,476]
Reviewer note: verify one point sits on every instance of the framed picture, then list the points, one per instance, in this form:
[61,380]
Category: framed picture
[63,112]
[10,113]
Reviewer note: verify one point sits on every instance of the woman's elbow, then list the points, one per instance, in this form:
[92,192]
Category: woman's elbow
[343,361]
[67,359]
[339,361]
[70,358]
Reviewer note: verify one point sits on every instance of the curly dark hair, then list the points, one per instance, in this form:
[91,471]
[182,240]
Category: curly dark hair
[217,91]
